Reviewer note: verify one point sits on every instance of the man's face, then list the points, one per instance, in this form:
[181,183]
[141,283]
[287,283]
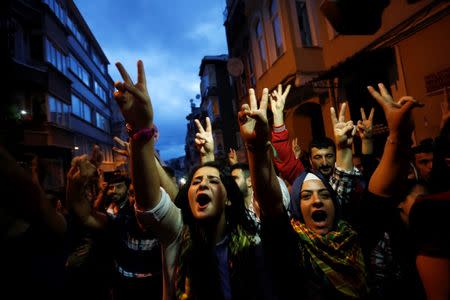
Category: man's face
[317,206]
[424,164]
[241,181]
[207,194]
[117,191]
[323,160]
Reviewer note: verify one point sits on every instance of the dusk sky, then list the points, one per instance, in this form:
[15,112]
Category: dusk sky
[171,38]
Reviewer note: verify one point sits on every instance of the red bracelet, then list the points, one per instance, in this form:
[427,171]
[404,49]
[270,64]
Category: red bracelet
[142,135]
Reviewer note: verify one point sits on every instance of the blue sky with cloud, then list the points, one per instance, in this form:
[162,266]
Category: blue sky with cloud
[171,37]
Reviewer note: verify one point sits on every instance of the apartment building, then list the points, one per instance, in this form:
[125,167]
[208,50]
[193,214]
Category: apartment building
[403,44]
[59,92]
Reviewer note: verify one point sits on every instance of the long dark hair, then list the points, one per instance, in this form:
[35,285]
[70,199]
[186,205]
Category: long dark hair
[236,213]
[196,258]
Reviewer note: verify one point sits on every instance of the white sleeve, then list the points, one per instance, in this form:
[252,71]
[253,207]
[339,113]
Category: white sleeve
[285,193]
[164,220]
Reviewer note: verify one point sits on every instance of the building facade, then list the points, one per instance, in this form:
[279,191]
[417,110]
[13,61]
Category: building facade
[217,101]
[59,92]
[404,45]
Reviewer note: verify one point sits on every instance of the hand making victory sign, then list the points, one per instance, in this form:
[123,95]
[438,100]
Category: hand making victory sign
[204,141]
[343,131]
[253,120]
[133,99]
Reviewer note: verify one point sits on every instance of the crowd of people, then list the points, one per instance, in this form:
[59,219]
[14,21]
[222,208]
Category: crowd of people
[328,222]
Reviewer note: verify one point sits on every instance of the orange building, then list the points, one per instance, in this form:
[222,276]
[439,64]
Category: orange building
[405,45]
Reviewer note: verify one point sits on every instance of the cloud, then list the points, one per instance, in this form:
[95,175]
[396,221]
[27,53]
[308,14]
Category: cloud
[171,40]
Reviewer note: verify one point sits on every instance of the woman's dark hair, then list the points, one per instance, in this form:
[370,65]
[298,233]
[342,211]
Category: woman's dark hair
[196,257]
[236,213]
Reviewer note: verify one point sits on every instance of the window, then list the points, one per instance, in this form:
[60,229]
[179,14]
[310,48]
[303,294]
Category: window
[54,56]
[79,70]
[59,111]
[81,109]
[99,91]
[98,62]
[276,27]
[77,33]
[57,9]
[101,122]
[261,44]
[251,69]
[303,23]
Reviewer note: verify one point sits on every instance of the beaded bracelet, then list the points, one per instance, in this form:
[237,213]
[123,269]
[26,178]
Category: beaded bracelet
[142,135]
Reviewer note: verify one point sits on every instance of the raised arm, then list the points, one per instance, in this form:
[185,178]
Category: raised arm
[285,160]
[137,110]
[28,202]
[296,148]
[204,141]
[232,157]
[344,132]
[393,166]
[365,132]
[166,183]
[79,177]
[255,133]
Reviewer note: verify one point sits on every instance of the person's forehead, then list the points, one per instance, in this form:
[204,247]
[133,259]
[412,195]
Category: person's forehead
[207,171]
[313,185]
[424,155]
[322,151]
[116,184]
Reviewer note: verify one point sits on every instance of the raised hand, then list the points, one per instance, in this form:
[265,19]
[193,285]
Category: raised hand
[277,102]
[232,157]
[253,120]
[82,170]
[96,156]
[296,148]
[133,99]
[365,126]
[343,131]
[398,114]
[125,145]
[204,141]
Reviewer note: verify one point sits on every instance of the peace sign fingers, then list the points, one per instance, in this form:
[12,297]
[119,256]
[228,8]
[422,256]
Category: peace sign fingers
[342,112]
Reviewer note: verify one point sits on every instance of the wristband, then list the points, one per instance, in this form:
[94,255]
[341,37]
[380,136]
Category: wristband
[142,135]
[278,129]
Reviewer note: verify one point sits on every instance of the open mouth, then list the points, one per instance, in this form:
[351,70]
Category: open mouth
[203,200]
[325,169]
[319,216]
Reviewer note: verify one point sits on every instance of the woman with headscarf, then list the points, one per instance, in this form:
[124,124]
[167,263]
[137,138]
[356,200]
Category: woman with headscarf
[314,253]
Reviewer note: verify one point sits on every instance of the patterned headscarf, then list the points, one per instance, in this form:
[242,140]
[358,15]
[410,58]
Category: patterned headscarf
[335,257]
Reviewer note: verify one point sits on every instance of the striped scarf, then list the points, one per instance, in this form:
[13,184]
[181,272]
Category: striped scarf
[337,255]
[240,247]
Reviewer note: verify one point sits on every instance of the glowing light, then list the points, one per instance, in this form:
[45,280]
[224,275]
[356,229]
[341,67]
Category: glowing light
[76,148]
[182,181]
[23,112]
